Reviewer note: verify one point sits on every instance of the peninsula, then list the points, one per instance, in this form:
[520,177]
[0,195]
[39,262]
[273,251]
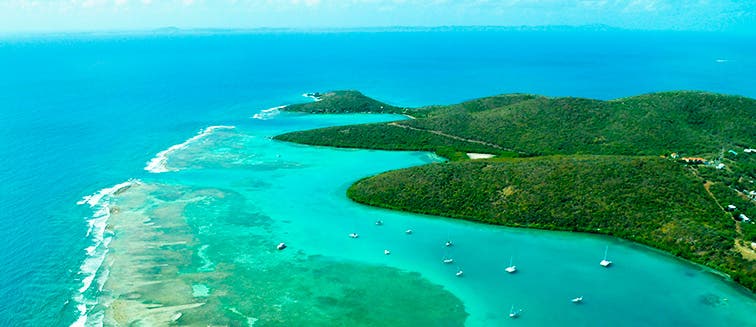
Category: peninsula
[672,170]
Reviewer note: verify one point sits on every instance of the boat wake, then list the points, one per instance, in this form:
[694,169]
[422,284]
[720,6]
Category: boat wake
[159,164]
[100,238]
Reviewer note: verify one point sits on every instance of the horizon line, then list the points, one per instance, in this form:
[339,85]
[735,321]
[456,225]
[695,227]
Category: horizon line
[325,29]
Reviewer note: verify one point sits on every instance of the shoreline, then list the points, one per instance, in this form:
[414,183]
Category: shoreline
[697,236]
[724,276]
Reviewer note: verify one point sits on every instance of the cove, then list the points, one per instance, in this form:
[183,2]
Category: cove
[196,242]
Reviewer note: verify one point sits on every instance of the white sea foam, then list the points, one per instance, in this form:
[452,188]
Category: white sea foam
[268,113]
[207,264]
[159,164]
[95,253]
[94,199]
[311,96]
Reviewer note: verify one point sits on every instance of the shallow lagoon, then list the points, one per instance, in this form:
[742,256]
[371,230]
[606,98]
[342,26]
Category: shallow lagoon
[205,233]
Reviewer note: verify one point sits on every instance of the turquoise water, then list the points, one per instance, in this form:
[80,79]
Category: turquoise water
[228,198]
[81,114]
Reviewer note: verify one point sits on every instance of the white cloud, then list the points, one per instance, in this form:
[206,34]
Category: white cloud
[308,3]
[641,5]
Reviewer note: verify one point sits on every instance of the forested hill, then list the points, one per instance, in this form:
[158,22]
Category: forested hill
[338,102]
[644,199]
[689,123]
[615,167]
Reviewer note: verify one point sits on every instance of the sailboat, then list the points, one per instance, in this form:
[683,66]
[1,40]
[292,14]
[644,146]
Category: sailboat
[512,268]
[605,263]
[512,313]
[447,258]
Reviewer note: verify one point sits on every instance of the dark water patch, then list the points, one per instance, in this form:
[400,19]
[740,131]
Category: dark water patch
[249,219]
[711,299]
[253,184]
[326,292]
[281,165]
[691,273]
[167,194]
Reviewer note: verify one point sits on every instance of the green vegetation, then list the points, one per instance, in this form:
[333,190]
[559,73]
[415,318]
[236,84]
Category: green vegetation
[586,165]
[644,199]
[476,105]
[653,124]
[339,102]
[390,136]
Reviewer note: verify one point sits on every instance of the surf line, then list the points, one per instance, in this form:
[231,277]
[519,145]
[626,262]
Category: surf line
[159,164]
[98,249]
[269,113]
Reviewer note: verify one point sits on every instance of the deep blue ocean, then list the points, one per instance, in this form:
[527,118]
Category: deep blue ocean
[79,113]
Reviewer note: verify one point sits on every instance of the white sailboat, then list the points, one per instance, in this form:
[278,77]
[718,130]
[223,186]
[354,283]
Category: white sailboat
[605,263]
[512,268]
[512,313]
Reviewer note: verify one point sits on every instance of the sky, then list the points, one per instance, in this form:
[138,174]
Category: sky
[101,15]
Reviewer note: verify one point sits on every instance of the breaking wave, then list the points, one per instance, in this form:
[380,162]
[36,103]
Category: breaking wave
[159,164]
[100,238]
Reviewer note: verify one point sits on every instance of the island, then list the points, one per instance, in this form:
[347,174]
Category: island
[671,170]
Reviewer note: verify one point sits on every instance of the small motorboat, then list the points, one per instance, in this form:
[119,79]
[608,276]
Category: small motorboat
[459,273]
[605,263]
[386,252]
[577,299]
[408,232]
[449,260]
[512,268]
[449,243]
[281,246]
[354,235]
[379,222]
[512,313]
